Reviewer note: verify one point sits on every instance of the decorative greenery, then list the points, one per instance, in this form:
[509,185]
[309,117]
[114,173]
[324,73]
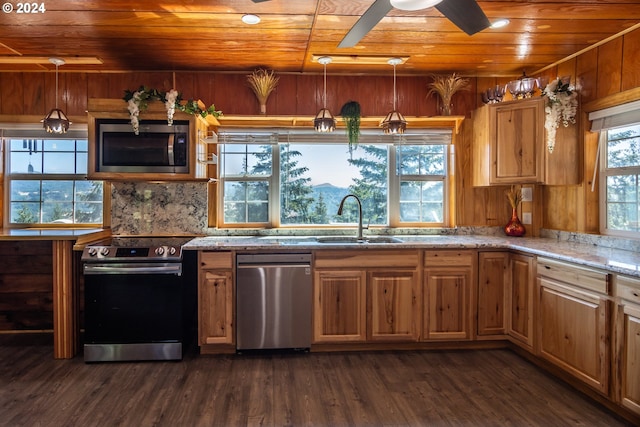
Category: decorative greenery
[562,105]
[514,195]
[446,87]
[350,113]
[263,82]
[138,101]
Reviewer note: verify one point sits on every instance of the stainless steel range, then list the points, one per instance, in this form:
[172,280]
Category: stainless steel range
[138,299]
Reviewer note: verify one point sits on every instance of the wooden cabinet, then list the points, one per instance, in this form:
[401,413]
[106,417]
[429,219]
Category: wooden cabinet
[627,343]
[339,306]
[520,300]
[573,320]
[215,300]
[448,312]
[493,278]
[509,146]
[366,296]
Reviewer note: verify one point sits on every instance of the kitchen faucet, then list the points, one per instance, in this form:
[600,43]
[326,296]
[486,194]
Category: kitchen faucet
[359,212]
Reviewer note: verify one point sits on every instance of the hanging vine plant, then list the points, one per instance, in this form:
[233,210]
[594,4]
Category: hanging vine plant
[350,113]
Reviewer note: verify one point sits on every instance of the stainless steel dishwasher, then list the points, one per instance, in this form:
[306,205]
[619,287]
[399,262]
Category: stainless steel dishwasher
[273,301]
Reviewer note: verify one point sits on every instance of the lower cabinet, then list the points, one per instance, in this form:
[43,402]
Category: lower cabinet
[573,322]
[446,293]
[493,278]
[520,300]
[366,296]
[215,299]
[627,343]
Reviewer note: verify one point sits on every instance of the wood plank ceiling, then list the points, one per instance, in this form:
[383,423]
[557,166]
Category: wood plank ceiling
[208,35]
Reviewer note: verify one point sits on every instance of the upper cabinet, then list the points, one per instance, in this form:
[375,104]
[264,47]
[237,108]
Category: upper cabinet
[509,146]
[182,151]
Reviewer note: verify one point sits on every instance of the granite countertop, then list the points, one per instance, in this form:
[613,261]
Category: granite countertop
[13,234]
[613,260]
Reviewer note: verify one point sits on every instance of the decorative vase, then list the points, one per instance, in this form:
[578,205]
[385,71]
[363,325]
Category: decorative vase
[514,227]
[446,109]
[263,109]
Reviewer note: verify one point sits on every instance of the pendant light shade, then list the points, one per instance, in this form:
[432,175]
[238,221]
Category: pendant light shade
[324,120]
[395,122]
[56,121]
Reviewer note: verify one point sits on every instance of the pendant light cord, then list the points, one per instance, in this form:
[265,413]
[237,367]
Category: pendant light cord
[324,96]
[57,86]
[394,87]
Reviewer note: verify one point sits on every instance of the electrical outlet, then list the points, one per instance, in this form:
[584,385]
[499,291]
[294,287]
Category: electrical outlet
[527,194]
[526,218]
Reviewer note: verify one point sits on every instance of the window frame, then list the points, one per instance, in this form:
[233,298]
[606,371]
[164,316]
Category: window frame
[9,133]
[606,172]
[393,189]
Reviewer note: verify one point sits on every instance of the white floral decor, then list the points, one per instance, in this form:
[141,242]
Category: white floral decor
[562,105]
[138,101]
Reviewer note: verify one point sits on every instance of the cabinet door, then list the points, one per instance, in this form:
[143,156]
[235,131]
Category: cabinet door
[493,277]
[517,142]
[520,300]
[394,309]
[446,297]
[572,330]
[215,324]
[339,306]
[629,358]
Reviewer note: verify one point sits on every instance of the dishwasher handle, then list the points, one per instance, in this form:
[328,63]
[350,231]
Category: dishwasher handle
[267,260]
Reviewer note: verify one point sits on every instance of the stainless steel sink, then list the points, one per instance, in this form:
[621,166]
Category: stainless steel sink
[352,239]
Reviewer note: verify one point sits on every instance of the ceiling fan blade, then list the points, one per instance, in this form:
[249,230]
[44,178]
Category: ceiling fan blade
[258,1]
[367,21]
[465,14]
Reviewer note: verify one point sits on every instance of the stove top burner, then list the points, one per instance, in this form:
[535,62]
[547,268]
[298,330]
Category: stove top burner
[136,249]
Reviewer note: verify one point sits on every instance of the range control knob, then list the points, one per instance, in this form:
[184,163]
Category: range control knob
[104,251]
[159,250]
[92,251]
[172,250]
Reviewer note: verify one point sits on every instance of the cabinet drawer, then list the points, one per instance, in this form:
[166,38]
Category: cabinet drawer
[587,278]
[213,260]
[366,259]
[448,258]
[628,289]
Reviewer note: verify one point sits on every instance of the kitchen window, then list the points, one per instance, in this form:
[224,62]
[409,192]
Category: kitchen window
[620,181]
[46,180]
[297,180]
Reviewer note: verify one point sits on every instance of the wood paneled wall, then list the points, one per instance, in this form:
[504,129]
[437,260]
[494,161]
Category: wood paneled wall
[26,286]
[609,69]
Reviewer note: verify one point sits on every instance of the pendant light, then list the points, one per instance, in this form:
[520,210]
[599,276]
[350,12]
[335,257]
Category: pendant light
[56,121]
[394,122]
[324,121]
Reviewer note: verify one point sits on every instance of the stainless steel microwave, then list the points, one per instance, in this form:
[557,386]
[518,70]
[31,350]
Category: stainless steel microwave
[158,148]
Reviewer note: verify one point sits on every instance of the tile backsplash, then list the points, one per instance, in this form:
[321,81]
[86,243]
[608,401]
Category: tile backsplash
[167,208]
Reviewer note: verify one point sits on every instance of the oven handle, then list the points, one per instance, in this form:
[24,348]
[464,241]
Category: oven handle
[133,269]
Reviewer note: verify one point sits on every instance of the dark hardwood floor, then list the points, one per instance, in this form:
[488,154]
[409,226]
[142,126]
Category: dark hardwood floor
[409,388]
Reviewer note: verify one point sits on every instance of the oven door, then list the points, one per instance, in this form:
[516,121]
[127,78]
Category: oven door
[133,311]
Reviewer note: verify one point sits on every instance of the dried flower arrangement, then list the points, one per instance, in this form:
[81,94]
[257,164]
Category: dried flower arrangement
[446,87]
[138,101]
[562,105]
[514,195]
[263,82]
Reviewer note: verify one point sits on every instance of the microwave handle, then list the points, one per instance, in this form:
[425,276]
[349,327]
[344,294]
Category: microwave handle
[170,151]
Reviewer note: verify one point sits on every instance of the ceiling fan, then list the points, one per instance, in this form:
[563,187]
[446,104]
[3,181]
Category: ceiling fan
[465,14]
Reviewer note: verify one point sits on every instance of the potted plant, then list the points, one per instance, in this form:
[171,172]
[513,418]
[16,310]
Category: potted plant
[350,113]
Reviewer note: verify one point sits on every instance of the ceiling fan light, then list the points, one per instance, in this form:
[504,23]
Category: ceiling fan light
[324,121]
[414,4]
[56,121]
[394,123]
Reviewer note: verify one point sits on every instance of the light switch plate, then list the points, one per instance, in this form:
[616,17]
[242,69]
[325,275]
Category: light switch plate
[526,217]
[527,194]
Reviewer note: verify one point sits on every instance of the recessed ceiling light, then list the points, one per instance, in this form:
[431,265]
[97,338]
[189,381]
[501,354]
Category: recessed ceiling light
[500,23]
[250,19]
